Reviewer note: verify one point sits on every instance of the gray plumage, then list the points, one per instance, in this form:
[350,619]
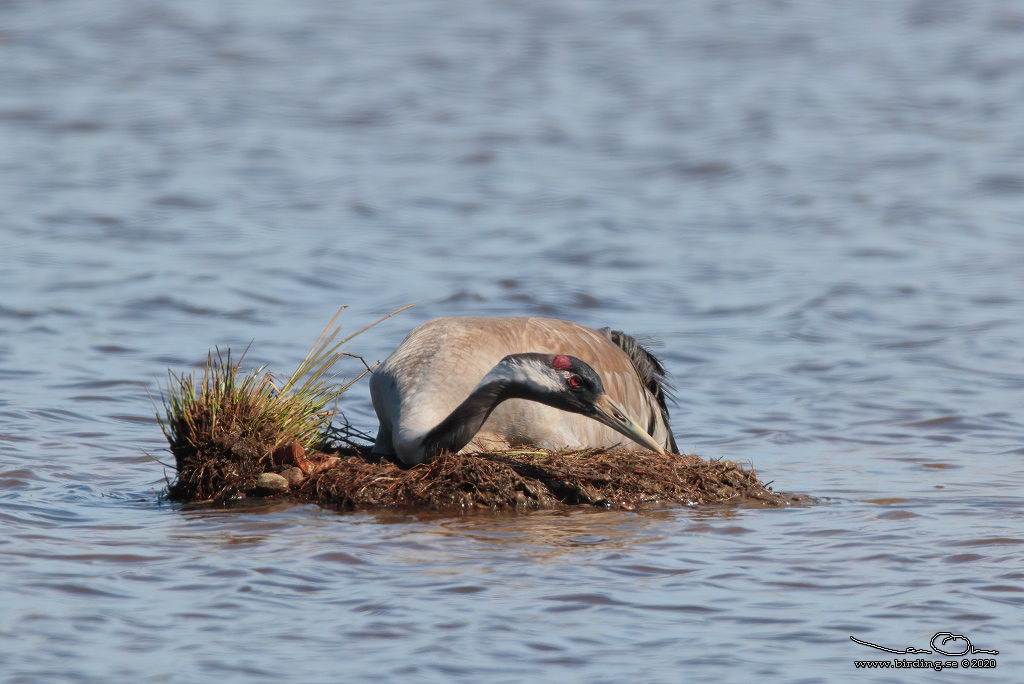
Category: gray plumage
[442,362]
[652,373]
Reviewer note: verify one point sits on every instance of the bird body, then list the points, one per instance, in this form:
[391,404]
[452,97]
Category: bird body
[499,371]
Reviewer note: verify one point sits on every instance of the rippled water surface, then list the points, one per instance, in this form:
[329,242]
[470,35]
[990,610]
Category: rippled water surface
[818,210]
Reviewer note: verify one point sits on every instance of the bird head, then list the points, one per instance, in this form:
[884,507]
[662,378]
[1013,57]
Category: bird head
[569,384]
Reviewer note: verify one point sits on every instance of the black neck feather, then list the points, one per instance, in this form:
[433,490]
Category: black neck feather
[455,431]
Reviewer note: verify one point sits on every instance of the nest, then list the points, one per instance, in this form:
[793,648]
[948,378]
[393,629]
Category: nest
[244,435]
[354,478]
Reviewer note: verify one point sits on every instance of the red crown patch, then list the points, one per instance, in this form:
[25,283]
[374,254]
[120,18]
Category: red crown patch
[562,362]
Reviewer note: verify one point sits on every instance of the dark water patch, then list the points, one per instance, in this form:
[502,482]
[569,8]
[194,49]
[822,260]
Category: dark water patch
[910,343]
[690,169]
[153,305]
[585,599]
[22,314]
[878,253]
[78,126]
[681,608]
[61,416]
[16,478]
[1004,588]
[360,117]
[92,558]
[97,383]
[82,590]
[463,295]
[1001,541]
[648,570]
[1002,185]
[114,349]
[896,515]
[258,297]
[148,419]
[339,557]
[887,502]
[957,423]
[465,589]
[14,438]
[23,114]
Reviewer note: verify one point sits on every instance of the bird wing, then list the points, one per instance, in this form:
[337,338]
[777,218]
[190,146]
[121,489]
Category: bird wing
[440,363]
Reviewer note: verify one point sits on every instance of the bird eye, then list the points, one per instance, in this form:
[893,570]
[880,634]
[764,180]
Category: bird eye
[574,381]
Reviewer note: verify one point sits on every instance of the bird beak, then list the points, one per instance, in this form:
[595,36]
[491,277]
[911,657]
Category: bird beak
[609,413]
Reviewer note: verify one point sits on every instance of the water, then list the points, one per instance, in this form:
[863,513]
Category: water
[816,209]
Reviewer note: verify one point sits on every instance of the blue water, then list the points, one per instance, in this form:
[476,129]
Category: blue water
[816,210]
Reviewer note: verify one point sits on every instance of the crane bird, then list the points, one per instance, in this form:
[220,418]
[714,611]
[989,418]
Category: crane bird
[486,384]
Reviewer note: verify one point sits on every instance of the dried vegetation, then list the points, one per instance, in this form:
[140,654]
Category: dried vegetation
[242,435]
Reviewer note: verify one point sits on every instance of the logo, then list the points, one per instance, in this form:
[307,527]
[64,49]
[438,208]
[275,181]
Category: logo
[943,643]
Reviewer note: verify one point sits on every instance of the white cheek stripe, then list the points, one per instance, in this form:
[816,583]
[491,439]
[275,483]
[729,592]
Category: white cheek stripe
[517,372]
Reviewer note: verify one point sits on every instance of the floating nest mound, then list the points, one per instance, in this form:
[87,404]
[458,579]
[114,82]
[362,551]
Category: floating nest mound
[243,435]
[354,478]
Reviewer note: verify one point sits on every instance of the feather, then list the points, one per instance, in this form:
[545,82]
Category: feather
[441,362]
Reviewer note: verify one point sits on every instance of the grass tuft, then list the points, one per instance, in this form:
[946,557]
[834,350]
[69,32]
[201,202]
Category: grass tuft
[224,425]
